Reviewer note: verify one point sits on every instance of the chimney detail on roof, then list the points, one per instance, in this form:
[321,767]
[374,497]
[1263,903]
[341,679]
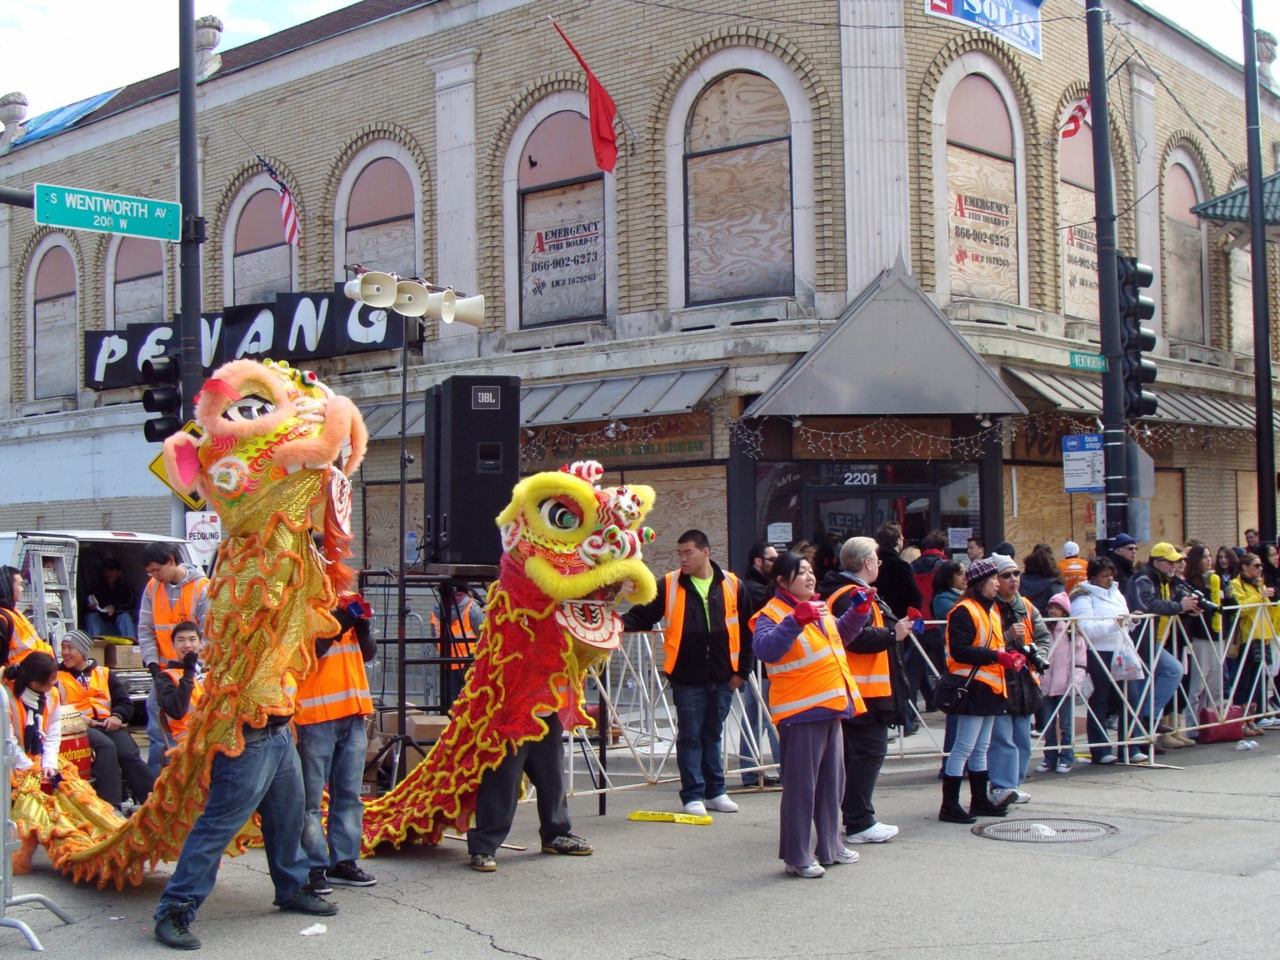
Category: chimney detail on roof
[208,36]
[1266,57]
[13,110]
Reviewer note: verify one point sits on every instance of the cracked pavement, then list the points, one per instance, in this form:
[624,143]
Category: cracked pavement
[1187,875]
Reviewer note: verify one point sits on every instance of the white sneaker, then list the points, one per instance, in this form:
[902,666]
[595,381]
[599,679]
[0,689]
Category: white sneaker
[810,872]
[1044,768]
[847,856]
[1139,756]
[1064,768]
[1268,722]
[1020,796]
[876,833]
[695,808]
[722,804]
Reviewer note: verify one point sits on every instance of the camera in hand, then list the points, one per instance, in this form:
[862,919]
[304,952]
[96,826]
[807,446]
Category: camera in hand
[1206,605]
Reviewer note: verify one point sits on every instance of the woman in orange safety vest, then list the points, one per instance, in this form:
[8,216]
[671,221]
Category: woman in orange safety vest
[811,691]
[18,636]
[975,647]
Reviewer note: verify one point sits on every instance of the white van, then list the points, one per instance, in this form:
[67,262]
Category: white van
[61,567]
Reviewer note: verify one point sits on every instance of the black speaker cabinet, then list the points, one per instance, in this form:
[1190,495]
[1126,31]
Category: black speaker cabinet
[470,462]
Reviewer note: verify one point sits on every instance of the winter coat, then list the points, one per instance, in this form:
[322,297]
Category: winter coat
[1039,590]
[896,583]
[1097,611]
[1024,695]
[890,711]
[1068,661]
[962,634]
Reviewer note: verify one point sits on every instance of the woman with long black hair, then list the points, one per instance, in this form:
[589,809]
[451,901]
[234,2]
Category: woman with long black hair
[18,637]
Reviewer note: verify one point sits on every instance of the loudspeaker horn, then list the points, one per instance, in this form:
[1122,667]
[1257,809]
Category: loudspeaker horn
[440,306]
[411,298]
[469,310]
[378,289]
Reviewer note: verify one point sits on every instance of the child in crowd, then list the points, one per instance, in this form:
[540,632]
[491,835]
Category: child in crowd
[180,685]
[35,722]
[1068,663]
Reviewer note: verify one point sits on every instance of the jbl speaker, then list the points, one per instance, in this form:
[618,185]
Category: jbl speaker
[470,462]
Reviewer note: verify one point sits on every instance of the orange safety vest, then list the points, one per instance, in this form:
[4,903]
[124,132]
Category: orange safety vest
[93,699]
[1074,571]
[459,629]
[25,640]
[870,670]
[165,615]
[177,726]
[339,687]
[18,712]
[675,619]
[813,673]
[990,635]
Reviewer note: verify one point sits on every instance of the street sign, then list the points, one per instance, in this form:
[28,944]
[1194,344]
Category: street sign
[79,209]
[193,501]
[1093,362]
[1083,463]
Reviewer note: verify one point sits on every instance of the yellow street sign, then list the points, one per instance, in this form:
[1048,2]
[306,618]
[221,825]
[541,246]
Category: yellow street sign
[193,501]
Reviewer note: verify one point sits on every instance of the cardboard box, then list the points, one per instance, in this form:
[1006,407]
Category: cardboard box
[427,728]
[389,720]
[128,658]
[100,652]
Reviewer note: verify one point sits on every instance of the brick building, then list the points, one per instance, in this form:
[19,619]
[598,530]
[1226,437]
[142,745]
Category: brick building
[837,276]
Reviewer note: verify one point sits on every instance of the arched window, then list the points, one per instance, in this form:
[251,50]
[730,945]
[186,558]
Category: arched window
[380,219]
[137,294]
[738,206]
[1184,287]
[263,262]
[1077,232]
[1240,273]
[982,193]
[562,224]
[53,332]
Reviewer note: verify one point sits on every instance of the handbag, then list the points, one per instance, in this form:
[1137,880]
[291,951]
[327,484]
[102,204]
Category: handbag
[1229,725]
[951,691]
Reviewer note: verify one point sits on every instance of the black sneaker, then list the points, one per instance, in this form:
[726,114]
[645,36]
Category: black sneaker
[174,931]
[312,903]
[348,874]
[569,845]
[317,882]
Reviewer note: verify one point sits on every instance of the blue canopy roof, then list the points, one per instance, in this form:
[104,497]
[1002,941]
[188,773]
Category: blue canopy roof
[55,121]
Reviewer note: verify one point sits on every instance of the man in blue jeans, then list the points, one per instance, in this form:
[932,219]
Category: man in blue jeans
[267,777]
[1154,589]
[707,655]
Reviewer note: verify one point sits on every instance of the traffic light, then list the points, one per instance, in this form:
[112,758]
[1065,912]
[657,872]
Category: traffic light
[163,396]
[1135,339]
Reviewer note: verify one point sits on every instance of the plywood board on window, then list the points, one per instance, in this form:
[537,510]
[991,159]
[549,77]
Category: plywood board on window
[1079,238]
[983,221]
[1168,511]
[562,253]
[260,275]
[739,223]
[55,335]
[1246,502]
[688,498]
[1183,308]
[382,521]
[139,301]
[389,247]
[1240,266]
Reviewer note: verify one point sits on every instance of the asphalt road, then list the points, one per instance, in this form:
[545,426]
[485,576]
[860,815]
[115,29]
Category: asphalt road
[1190,873]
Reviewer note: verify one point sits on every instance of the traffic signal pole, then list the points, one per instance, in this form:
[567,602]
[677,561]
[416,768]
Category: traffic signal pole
[1264,431]
[1113,431]
[192,223]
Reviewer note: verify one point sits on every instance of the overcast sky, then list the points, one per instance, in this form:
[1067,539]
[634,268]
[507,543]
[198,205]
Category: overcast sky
[61,51]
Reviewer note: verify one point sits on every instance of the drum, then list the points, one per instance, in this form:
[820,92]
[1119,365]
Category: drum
[75,743]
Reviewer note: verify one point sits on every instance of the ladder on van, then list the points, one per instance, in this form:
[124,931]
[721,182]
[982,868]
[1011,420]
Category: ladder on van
[49,601]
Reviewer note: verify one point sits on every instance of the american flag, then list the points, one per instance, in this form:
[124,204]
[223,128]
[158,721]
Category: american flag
[288,213]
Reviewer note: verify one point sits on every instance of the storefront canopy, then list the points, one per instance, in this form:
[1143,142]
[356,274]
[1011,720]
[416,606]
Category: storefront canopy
[1084,395]
[892,353]
[1228,215]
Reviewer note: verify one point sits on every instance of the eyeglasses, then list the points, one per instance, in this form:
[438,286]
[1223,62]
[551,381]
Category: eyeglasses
[1010,575]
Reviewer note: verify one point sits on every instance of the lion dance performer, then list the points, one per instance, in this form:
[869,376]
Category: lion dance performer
[570,550]
[277,449]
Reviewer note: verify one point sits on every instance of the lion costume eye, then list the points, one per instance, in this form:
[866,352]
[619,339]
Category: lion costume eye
[252,407]
[559,515]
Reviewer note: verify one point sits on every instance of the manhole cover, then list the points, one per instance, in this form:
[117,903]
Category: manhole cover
[1044,830]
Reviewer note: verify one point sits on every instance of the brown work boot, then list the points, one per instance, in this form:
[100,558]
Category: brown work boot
[22,857]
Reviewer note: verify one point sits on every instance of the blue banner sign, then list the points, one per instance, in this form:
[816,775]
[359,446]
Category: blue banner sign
[1016,22]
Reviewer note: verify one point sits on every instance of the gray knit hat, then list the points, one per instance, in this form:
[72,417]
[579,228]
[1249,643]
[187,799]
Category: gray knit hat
[1003,563]
[80,640]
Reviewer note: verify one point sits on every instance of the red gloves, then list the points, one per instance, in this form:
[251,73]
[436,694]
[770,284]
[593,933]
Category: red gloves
[806,612]
[1010,660]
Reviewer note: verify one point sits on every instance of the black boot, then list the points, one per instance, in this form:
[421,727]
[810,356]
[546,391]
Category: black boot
[952,811]
[174,930]
[980,804]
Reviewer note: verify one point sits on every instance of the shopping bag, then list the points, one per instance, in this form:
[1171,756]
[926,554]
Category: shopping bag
[1230,726]
[1125,662]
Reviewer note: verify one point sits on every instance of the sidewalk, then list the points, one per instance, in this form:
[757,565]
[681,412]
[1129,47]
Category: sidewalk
[1192,873]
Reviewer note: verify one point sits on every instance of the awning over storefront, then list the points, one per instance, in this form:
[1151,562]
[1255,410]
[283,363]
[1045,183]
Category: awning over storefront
[642,395]
[647,395]
[1228,214]
[1084,395]
[893,353]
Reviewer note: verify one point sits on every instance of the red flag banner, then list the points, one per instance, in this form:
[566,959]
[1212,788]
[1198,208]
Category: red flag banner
[603,110]
[1078,115]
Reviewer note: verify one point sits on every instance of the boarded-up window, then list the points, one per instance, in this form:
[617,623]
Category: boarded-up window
[562,224]
[1183,259]
[981,193]
[263,261]
[380,219]
[1077,231]
[54,329]
[738,192]
[1240,265]
[138,292]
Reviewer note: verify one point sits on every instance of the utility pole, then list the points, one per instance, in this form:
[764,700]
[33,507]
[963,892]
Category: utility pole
[1264,431]
[1113,429]
[192,223]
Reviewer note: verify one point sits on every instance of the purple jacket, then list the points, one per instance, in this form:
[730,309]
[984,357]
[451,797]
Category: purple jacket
[770,642]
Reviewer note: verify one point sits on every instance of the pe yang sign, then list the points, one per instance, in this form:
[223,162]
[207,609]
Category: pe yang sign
[298,326]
